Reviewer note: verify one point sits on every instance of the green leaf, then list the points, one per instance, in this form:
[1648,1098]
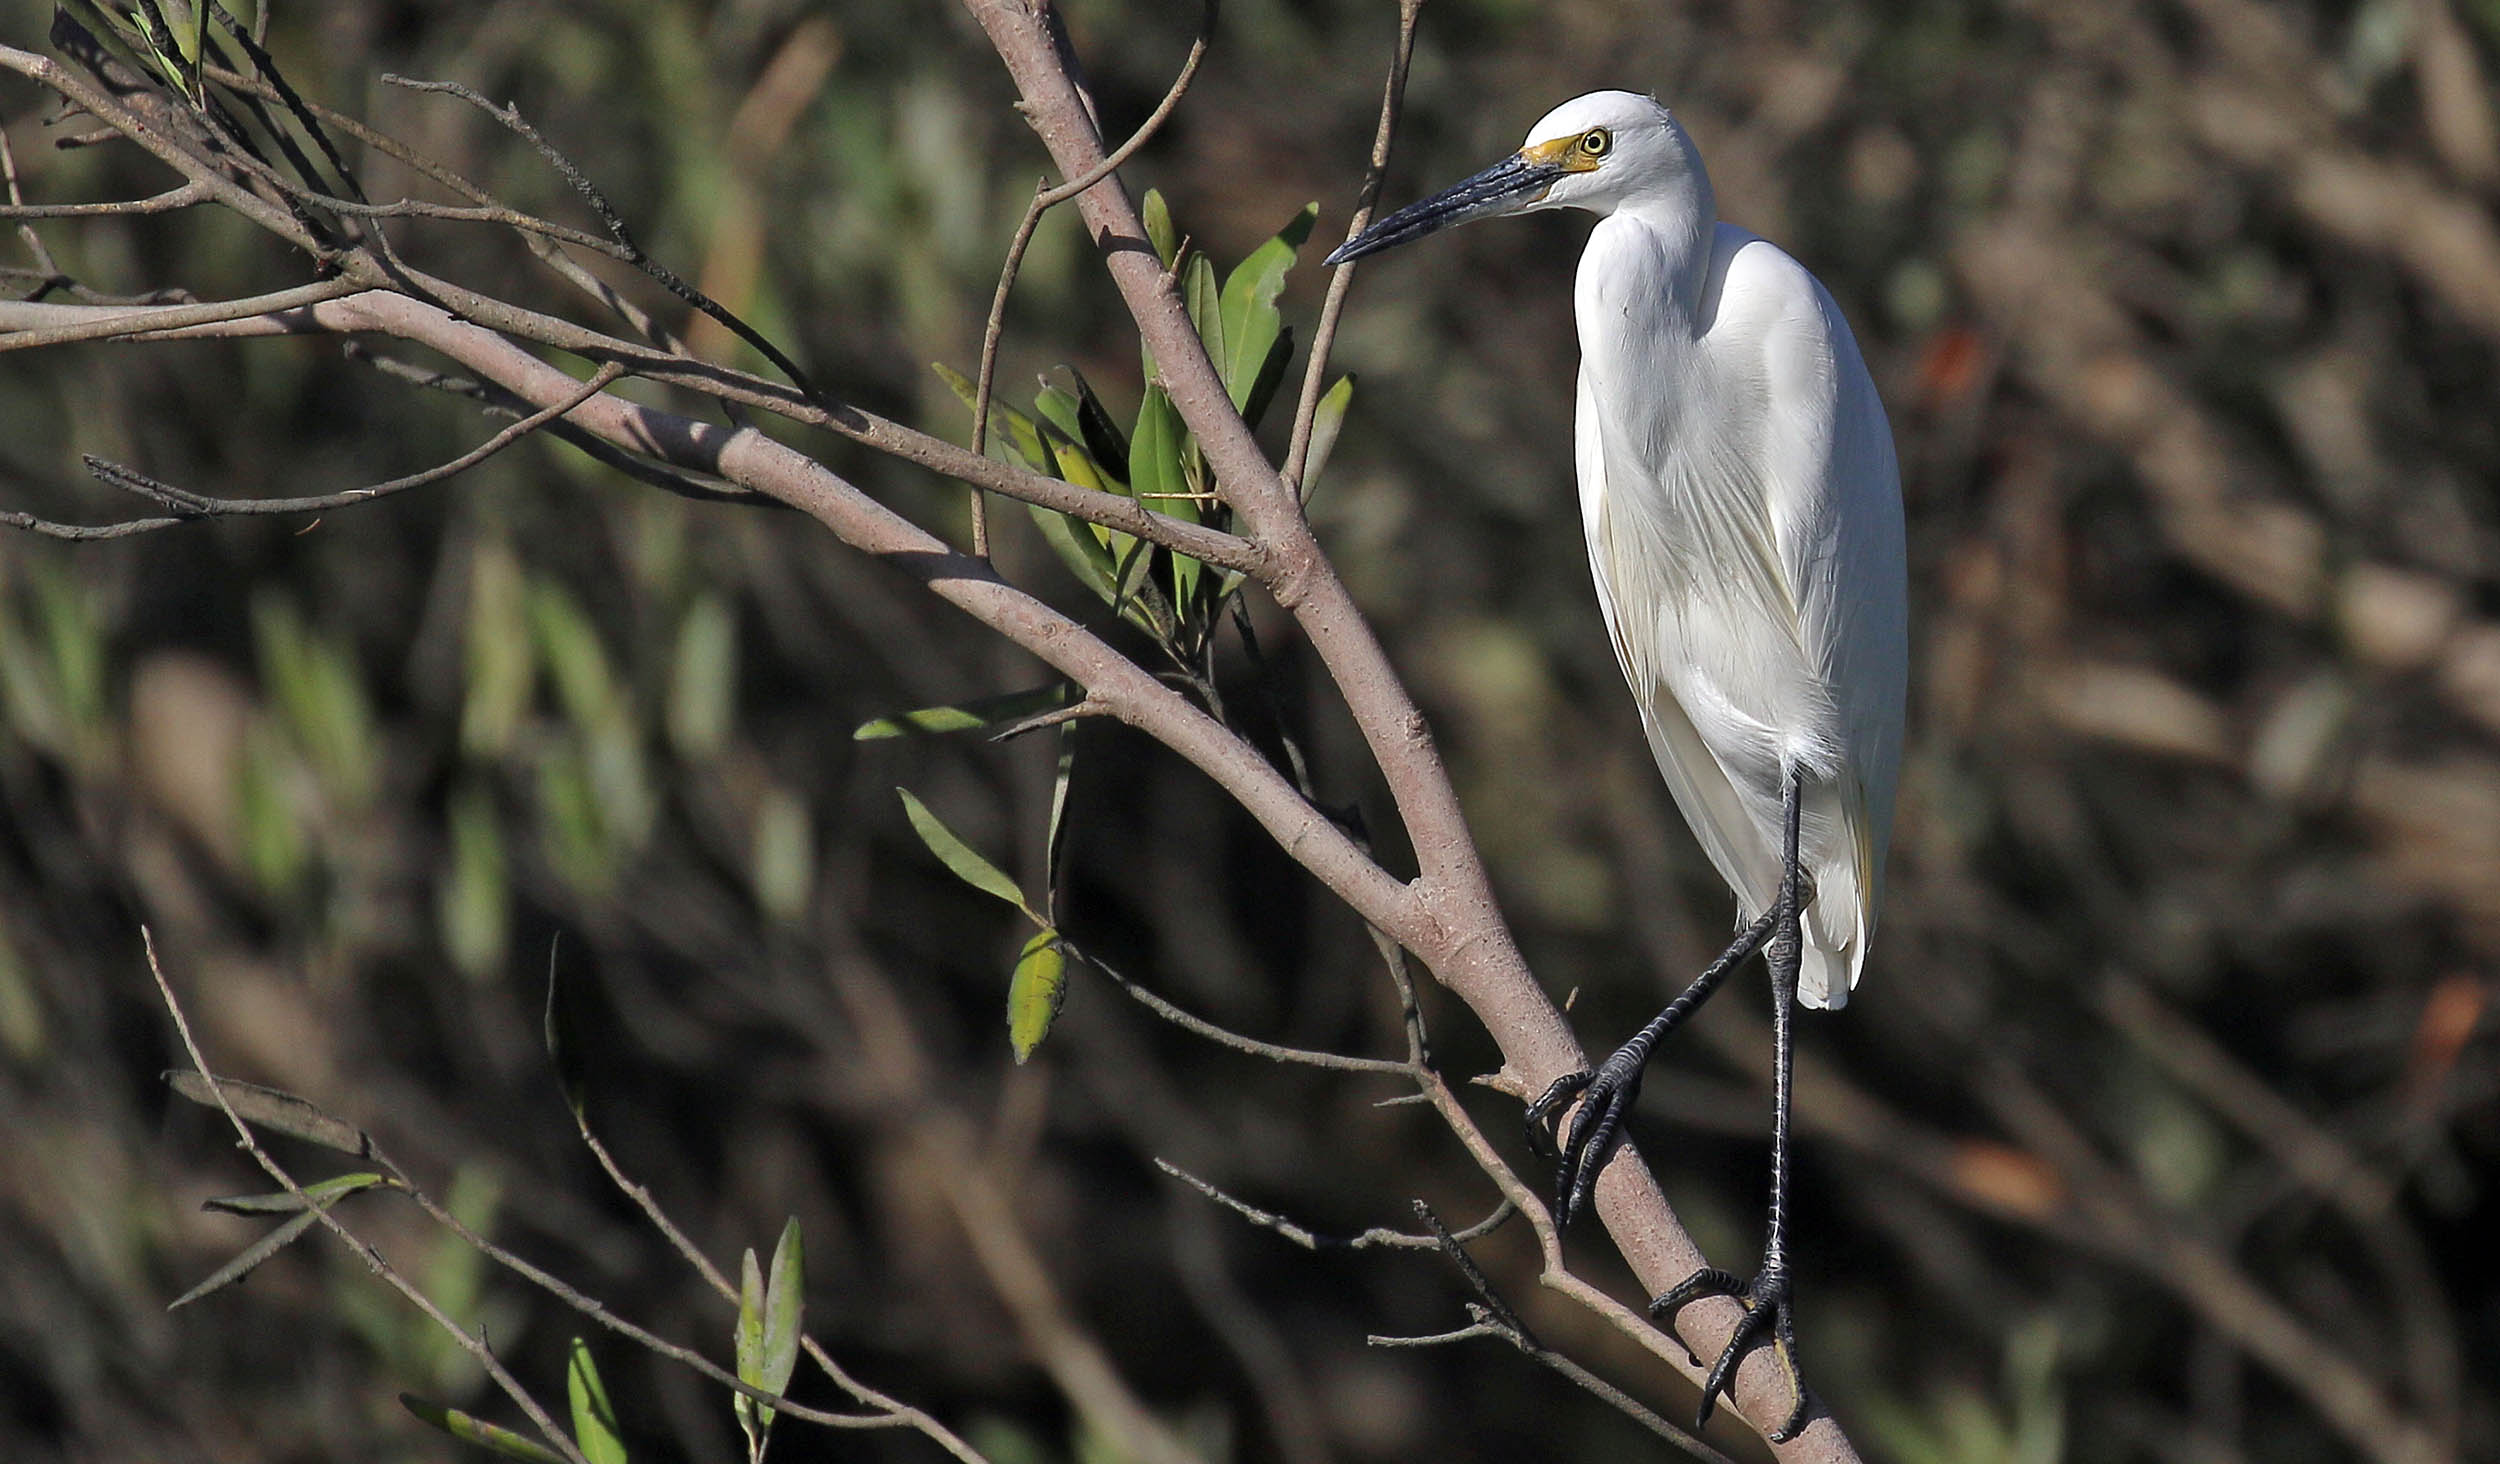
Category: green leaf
[575,657]
[1270,375]
[1079,548]
[250,1257]
[1158,472]
[1079,468]
[958,856]
[1252,326]
[1101,435]
[1155,472]
[1159,230]
[1011,432]
[970,716]
[277,1111]
[478,1431]
[1036,991]
[785,1305]
[1058,815]
[703,681]
[473,905]
[753,1418]
[322,1192]
[785,855]
[275,846]
[319,691]
[1058,407]
[1206,303]
[501,653]
[1325,424]
[594,1419]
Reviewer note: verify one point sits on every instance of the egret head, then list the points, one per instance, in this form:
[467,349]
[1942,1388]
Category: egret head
[1594,152]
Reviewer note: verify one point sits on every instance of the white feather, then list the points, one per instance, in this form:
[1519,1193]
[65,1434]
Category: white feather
[1743,512]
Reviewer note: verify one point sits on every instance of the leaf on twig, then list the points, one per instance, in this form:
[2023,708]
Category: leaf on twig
[1325,424]
[249,1258]
[755,1420]
[1159,230]
[785,1304]
[1254,333]
[1036,991]
[1011,432]
[323,1193]
[969,716]
[272,1109]
[594,1418]
[1205,300]
[1101,435]
[959,857]
[478,1431]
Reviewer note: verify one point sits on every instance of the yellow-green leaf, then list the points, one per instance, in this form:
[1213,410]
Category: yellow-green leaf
[1325,424]
[754,1418]
[478,1431]
[959,857]
[1159,230]
[1252,326]
[283,1202]
[785,1305]
[1036,991]
[1012,434]
[970,716]
[594,1418]
[1206,303]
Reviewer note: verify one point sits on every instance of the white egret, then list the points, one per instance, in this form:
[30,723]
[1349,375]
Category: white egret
[1743,512]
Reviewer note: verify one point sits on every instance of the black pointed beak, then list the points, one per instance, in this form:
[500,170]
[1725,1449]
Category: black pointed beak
[1508,186]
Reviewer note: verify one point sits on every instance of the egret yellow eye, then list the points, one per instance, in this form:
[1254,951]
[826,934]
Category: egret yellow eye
[1595,141]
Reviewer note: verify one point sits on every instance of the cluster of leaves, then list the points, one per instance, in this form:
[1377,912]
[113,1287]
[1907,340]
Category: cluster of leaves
[1171,597]
[1073,436]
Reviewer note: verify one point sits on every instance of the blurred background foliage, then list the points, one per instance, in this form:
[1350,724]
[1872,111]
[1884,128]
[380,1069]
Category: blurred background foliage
[2167,1108]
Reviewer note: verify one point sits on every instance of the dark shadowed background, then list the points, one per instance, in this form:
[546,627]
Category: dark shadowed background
[2164,1118]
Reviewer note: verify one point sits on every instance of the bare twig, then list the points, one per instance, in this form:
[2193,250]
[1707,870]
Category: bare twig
[1300,1056]
[1340,284]
[614,223]
[191,507]
[1376,1237]
[1046,197]
[1494,1318]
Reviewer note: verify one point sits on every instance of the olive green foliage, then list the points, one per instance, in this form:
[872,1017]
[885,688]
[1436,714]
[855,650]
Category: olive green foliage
[2177,1038]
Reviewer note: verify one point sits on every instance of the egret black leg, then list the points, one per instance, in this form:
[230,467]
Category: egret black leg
[1584,1150]
[1766,1297]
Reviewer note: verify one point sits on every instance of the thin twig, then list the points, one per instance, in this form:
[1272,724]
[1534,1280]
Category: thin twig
[1315,371]
[598,1312]
[1494,1318]
[1274,1052]
[1045,198]
[935,1431]
[180,196]
[472,1345]
[156,318]
[1378,1236]
[614,223]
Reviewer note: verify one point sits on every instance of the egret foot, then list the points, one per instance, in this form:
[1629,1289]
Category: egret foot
[1766,1302]
[1606,1095]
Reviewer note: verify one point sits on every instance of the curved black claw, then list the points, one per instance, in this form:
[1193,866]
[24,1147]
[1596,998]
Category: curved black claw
[1605,1100]
[1556,1097]
[1766,1301]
